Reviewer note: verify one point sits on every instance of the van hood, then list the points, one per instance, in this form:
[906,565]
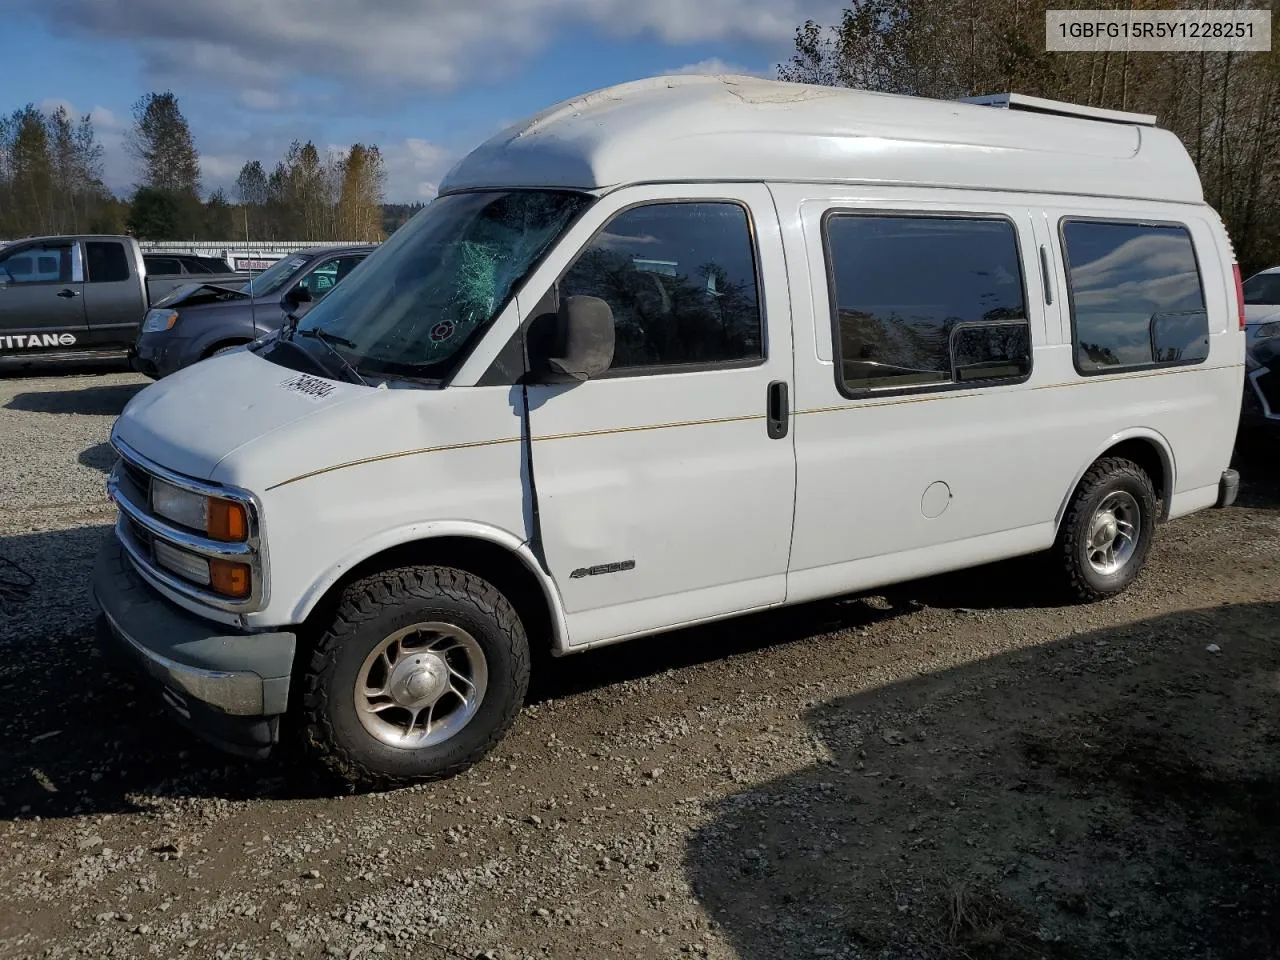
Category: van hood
[240,420]
[191,421]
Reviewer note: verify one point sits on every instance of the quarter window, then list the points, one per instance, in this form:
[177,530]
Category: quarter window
[1136,297]
[680,279]
[924,301]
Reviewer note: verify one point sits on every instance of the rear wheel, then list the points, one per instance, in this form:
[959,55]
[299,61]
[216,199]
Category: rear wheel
[421,672]
[1107,532]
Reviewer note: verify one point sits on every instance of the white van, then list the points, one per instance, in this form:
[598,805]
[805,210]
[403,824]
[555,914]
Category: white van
[674,351]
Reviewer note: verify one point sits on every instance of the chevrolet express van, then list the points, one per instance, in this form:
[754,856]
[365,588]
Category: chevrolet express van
[670,352]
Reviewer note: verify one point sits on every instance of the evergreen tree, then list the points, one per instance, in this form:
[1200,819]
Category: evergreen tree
[161,143]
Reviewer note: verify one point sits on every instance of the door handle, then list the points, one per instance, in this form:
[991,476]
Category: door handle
[778,412]
[67,293]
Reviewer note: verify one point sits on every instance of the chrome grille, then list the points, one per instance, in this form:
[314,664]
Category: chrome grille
[139,478]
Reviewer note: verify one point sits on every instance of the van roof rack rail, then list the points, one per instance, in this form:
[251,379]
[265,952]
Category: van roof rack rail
[1021,101]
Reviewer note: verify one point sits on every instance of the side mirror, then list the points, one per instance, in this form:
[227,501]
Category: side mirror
[298,296]
[582,340]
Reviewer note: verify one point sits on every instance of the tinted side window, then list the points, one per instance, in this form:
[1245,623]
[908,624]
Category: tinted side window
[162,266]
[1136,298]
[681,281]
[926,300]
[106,260]
[41,264]
[1263,288]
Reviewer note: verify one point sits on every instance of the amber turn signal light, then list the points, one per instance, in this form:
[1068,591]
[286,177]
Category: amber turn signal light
[230,579]
[227,521]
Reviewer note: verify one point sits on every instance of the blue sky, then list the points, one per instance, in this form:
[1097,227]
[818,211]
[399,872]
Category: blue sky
[424,79]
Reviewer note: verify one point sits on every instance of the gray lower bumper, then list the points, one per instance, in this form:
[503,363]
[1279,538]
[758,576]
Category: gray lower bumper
[1228,488]
[241,675]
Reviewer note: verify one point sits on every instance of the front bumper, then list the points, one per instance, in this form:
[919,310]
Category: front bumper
[230,688]
[158,354]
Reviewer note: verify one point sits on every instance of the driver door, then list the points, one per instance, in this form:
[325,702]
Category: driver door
[664,490]
[41,298]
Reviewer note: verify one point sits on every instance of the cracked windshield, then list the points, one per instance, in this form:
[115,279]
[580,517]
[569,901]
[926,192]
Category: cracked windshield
[439,279]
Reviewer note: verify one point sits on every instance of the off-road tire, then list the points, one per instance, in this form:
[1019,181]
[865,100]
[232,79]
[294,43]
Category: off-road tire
[1080,581]
[370,610]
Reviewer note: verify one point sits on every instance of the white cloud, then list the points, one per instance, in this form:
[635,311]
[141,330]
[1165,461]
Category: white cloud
[51,104]
[715,66]
[104,119]
[220,169]
[255,98]
[414,169]
[259,48]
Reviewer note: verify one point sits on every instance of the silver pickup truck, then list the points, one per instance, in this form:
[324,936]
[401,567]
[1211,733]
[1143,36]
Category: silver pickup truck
[82,297]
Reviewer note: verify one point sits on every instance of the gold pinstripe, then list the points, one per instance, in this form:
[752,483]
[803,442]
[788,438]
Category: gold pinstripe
[489,443]
[891,401]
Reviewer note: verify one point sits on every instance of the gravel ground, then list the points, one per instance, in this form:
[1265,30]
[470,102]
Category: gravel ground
[958,769]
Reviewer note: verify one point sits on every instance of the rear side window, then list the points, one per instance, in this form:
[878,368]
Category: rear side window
[162,266]
[1136,295]
[926,301]
[680,279]
[106,260]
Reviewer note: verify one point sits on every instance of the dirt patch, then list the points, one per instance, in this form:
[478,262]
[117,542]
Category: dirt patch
[1110,795]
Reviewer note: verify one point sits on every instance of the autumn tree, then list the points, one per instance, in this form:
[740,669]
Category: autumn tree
[359,214]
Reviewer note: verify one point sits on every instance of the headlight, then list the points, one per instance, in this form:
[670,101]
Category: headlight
[226,577]
[1268,330]
[159,320]
[219,519]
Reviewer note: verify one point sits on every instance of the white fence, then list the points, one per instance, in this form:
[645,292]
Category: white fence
[240,254]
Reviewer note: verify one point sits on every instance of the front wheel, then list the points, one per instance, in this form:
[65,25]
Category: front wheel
[1107,532]
[421,672]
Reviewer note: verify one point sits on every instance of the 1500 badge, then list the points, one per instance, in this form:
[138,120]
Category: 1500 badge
[28,341]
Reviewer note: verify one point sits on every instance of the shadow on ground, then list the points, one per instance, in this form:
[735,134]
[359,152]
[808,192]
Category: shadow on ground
[101,456]
[103,400]
[1115,794]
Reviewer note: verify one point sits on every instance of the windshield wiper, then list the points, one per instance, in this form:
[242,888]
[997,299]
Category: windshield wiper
[328,337]
[327,340]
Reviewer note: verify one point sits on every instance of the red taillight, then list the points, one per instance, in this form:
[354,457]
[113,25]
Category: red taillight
[1235,270]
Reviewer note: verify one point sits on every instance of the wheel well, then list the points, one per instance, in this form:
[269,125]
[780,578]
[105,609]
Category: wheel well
[213,348]
[1148,455]
[499,566]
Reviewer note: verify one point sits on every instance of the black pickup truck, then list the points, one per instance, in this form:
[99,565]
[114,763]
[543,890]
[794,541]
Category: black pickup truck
[82,297]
